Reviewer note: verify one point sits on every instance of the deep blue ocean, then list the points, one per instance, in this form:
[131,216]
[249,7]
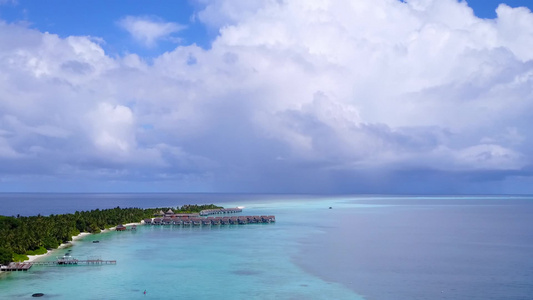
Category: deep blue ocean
[364,247]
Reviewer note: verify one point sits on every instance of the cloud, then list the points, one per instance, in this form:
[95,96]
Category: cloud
[293,96]
[112,128]
[150,30]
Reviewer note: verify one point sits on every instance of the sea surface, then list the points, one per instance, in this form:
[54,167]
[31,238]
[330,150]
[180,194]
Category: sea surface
[321,247]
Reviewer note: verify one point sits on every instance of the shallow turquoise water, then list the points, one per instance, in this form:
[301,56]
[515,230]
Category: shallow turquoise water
[382,247]
[254,261]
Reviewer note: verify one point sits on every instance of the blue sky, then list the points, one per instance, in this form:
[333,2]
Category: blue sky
[369,96]
[487,8]
[100,18]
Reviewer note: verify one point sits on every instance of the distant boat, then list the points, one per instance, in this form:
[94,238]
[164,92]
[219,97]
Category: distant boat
[96,241]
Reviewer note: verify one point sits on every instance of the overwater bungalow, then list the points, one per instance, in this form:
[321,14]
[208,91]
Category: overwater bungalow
[16,266]
[187,215]
[198,221]
[207,212]
[120,227]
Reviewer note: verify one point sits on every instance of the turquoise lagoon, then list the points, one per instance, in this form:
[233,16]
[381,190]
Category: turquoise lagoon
[365,247]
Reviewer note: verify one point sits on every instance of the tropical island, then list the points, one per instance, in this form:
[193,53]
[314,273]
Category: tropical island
[21,236]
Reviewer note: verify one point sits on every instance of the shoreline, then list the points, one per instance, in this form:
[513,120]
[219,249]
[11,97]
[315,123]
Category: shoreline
[75,238]
[32,258]
[127,224]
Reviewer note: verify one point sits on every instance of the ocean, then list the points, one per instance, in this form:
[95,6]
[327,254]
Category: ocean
[364,247]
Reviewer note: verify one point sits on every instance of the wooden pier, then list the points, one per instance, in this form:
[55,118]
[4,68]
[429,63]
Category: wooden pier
[208,221]
[204,218]
[207,212]
[25,266]
[17,266]
[75,262]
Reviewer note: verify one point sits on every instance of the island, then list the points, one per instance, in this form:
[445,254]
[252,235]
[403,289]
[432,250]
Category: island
[21,236]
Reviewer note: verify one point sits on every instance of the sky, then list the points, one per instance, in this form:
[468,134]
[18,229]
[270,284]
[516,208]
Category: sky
[267,96]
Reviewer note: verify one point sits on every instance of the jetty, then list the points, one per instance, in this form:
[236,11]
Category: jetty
[61,261]
[217,211]
[205,218]
[17,266]
[208,221]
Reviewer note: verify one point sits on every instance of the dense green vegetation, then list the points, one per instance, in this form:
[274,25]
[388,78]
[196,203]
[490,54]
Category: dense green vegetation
[189,209]
[41,250]
[6,256]
[21,236]
[33,235]
[20,257]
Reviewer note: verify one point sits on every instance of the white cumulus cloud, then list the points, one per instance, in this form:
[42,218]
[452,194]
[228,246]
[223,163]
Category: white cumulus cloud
[330,96]
[149,30]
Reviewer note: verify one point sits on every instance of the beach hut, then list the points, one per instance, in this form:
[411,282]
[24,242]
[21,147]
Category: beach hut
[169,213]
[120,227]
[159,214]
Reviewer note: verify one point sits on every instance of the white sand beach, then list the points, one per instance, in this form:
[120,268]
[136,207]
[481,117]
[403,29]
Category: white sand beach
[128,224]
[74,238]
